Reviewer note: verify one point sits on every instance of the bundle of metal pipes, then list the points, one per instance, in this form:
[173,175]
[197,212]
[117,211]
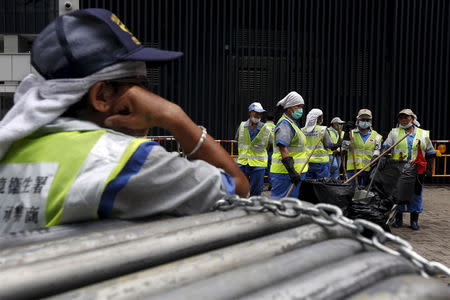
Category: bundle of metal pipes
[218,255]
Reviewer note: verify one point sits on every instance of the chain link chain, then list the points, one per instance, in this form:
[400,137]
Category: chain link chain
[330,215]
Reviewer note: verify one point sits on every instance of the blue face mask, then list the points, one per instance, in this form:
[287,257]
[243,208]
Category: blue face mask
[405,126]
[364,125]
[297,114]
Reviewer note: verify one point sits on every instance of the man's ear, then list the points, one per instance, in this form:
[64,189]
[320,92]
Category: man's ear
[98,97]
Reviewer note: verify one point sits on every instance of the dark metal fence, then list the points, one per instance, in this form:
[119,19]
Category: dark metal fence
[26,16]
[339,55]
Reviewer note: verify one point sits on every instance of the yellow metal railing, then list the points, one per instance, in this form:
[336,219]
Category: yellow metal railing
[439,167]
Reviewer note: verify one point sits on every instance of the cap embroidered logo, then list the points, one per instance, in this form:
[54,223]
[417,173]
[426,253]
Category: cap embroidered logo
[122,26]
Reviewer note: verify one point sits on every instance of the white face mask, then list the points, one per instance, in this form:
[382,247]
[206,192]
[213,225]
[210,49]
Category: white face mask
[364,125]
[405,126]
[255,120]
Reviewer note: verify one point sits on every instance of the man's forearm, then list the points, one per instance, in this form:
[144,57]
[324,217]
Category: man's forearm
[284,151]
[188,134]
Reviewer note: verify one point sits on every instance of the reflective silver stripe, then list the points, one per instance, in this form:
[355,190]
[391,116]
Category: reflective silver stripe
[366,152]
[395,150]
[291,149]
[320,154]
[312,147]
[296,160]
[261,150]
[257,149]
[241,133]
[246,156]
[83,199]
[364,161]
[296,149]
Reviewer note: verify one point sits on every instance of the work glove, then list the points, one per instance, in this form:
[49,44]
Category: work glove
[336,146]
[288,163]
[349,126]
[346,145]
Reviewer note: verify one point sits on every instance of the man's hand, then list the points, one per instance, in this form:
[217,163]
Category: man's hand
[136,108]
[348,126]
[336,146]
[288,163]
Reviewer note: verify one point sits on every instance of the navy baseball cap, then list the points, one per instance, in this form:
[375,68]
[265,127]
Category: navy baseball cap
[85,41]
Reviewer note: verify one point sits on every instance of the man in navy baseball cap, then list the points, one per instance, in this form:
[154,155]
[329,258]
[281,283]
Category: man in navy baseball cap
[71,133]
[80,43]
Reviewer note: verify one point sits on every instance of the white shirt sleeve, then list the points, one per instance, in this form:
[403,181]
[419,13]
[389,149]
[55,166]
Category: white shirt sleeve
[167,183]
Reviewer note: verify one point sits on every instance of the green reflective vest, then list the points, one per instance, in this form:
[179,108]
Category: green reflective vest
[253,152]
[400,152]
[321,154]
[363,151]
[296,149]
[58,178]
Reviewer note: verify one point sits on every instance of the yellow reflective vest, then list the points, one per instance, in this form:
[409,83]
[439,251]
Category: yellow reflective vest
[334,136]
[296,148]
[363,150]
[400,152]
[57,178]
[253,152]
[320,154]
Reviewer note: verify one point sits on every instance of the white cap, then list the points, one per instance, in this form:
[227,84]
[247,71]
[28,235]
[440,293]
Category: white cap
[409,112]
[311,119]
[364,111]
[256,106]
[337,120]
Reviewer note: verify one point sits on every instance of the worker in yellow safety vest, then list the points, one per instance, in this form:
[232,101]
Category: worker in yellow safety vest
[289,148]
[336,134]
[407,150]
[68,151]
[318,141]
[366,146]
[253,138]
[269,123]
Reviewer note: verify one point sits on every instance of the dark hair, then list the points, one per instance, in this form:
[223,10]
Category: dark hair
[270,116]
[279,110]
[75,109]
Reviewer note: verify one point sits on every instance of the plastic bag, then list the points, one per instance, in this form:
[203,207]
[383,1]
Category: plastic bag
[375,209]
[327,190]
[386,177]
[394,180]
[406,184]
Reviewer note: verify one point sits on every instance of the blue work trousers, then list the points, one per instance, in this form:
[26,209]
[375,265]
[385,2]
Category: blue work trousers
[335,164]
[415,206]
[281,183]
[318,170]
[256,178]
[363,178]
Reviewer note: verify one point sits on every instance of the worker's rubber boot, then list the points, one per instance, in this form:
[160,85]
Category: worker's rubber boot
[398,220]
[415,221]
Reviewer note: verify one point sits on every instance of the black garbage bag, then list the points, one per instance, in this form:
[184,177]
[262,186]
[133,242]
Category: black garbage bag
[375,209]
[327,190]
[394,180]
[386,177]
[406,184]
